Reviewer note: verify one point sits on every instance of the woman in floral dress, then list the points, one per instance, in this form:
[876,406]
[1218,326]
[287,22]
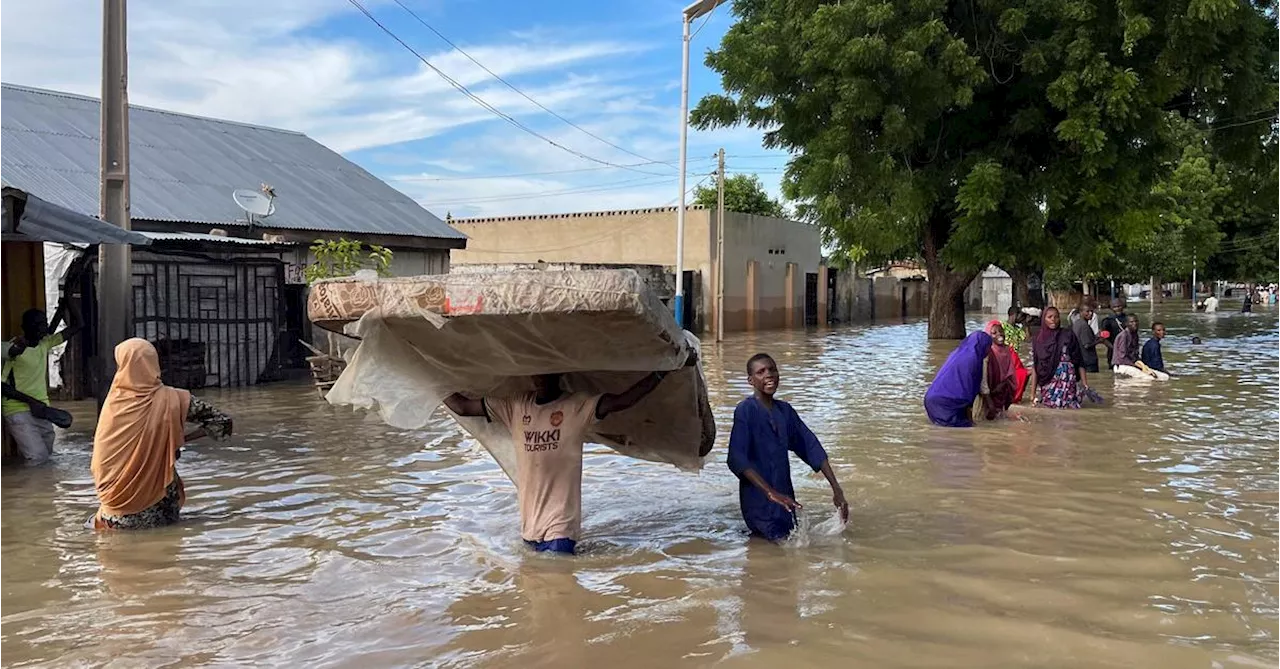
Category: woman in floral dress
[1059,364]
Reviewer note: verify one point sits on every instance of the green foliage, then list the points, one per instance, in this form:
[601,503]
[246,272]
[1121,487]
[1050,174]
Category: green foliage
[1249,224]
[742,193]
[343,257]
[1177,224]
[1019,132]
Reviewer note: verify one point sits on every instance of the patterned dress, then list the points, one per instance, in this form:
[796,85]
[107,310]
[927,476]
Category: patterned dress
[1063,391]
[217,426]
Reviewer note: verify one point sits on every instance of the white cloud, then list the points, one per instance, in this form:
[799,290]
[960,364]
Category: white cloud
[248,61]
[259,62]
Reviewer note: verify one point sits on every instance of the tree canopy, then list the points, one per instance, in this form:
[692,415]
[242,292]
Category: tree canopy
[742,193]
[1011,132]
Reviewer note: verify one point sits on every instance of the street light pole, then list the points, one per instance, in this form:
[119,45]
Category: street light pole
[1194,261]
[690,13]
[720,247]
[684,148]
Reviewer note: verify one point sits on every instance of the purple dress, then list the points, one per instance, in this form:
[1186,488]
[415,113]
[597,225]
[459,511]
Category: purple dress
[958,383]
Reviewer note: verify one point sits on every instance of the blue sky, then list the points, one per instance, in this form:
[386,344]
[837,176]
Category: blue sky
[323,68]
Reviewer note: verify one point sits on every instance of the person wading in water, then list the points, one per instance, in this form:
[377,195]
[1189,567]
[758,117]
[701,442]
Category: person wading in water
[552,425]
[764,430]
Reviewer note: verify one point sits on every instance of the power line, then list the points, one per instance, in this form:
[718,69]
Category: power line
[522,174]
[1241,243]
[522,94]
[692,188]
[704,23]
[488,107]
[631,183]
[1236,125]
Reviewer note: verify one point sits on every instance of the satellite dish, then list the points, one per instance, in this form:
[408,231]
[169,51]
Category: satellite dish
[254,202]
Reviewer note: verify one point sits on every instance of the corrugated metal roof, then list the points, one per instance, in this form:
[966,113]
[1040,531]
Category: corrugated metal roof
[184,168]
[47,222]
[203,237]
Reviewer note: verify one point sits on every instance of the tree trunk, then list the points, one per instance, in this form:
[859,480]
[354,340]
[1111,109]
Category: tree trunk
[1021,287]
[946,286]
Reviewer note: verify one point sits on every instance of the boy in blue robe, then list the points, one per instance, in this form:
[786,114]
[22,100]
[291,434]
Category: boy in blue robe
[764,430]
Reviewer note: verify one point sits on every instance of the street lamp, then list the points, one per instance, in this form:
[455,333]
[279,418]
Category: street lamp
[699,8]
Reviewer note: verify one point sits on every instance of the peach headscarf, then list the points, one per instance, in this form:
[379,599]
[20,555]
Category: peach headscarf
[139,432]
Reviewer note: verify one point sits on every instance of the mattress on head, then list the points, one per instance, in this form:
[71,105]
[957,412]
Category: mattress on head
[423,338]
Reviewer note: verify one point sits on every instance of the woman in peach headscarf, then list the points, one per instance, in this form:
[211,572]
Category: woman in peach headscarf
[135,447]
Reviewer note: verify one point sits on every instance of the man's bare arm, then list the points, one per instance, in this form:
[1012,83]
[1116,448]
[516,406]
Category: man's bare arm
[464,406]
[630,397]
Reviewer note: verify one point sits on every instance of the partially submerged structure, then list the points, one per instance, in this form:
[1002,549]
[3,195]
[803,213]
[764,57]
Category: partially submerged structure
[29,224]
[773,272]
[213,285]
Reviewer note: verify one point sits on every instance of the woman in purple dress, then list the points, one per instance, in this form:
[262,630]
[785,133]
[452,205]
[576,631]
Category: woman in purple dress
[949,400]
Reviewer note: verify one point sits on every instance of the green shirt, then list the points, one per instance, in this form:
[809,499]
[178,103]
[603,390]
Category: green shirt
[30,373]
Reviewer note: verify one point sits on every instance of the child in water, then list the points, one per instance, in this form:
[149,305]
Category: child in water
[764,430]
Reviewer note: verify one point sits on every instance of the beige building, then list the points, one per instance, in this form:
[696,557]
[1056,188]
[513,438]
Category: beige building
[773,273]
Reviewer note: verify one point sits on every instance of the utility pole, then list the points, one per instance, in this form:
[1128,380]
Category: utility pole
[115,290]
[720,247]
[1194,260]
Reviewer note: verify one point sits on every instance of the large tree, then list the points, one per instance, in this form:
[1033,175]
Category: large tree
[989,131]
[1183,213]
[1250,225]
[742,193]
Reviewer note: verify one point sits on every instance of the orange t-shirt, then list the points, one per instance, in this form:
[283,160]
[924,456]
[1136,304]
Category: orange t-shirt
[548,440]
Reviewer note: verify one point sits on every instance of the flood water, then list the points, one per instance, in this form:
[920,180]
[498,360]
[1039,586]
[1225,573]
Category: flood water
[1138,534]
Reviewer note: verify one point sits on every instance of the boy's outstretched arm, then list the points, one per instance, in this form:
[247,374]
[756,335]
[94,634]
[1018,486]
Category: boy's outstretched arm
[805,444]
[837,493]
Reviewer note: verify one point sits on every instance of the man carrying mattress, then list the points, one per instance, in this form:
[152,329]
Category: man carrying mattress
[552,425]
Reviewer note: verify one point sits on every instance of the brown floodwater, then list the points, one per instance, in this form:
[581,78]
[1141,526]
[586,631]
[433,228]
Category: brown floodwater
[1138,534]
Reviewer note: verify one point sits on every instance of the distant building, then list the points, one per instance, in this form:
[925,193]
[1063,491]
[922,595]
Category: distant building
[991,292]
[773,267]
[233,303]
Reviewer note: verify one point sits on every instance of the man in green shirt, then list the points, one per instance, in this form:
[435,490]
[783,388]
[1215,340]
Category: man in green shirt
[25,377]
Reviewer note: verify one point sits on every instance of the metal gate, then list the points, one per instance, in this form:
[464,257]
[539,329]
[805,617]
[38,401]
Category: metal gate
[213,323]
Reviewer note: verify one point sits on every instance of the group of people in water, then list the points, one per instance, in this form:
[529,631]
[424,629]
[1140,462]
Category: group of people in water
[985,376]
[140,431]
[142,427]
[548,427]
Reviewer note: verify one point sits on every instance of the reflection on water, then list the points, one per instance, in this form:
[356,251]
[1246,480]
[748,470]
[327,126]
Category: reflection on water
[1142,533]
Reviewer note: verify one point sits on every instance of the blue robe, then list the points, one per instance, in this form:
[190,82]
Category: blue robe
[760,441]
[1152,356]
[949,397]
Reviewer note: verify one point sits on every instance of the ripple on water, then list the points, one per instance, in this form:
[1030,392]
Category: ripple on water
[1142,533]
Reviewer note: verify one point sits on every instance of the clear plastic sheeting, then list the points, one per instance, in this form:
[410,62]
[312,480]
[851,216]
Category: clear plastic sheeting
[57,262]
[424,338]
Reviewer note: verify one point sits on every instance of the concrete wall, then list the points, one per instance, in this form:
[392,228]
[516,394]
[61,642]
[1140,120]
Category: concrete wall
[418,262]
[783,252]
[997,295]
[859,299]
[637,237]
[759,291]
